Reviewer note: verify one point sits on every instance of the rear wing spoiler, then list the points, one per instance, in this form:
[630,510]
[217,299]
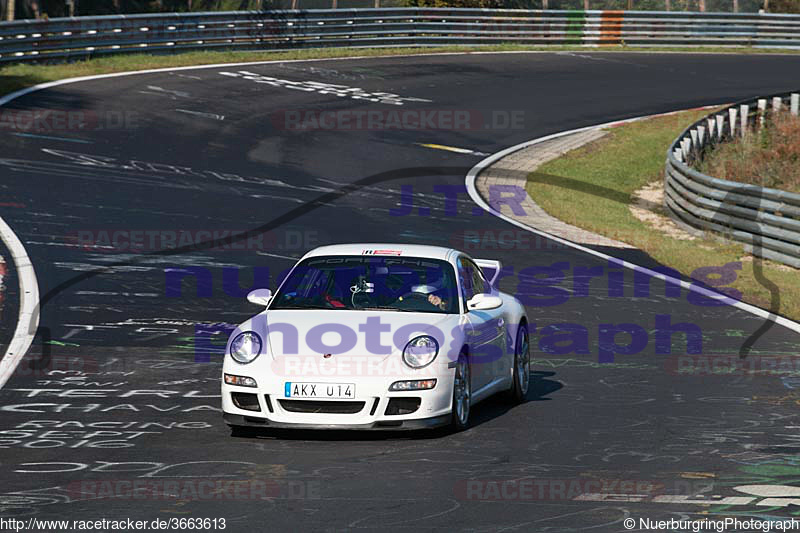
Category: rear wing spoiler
[490,268]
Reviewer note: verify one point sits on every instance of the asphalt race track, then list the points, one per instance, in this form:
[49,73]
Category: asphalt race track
[130,389]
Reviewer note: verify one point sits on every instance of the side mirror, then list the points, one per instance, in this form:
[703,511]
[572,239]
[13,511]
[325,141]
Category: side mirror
[260,297]
[484,302]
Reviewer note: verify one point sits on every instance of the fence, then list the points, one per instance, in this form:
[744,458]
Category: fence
[766,220]
[69,38]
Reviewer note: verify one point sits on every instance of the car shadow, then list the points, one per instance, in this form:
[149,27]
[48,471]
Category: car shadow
[542,385]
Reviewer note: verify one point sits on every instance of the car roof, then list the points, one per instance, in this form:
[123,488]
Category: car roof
[384,250]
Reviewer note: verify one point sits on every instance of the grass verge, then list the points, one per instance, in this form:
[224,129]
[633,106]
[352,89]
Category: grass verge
[591,186]
[19,76]
[769,157]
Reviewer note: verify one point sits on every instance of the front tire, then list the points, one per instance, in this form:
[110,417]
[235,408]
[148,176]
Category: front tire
[462,394]
[522,366]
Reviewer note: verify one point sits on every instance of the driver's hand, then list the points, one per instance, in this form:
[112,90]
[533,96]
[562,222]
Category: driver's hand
[437,301]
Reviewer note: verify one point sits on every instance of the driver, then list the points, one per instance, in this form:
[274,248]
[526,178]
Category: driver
[435,289]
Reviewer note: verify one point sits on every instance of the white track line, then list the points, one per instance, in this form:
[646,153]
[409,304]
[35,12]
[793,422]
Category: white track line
[28,319]
[22,92]
[473,173]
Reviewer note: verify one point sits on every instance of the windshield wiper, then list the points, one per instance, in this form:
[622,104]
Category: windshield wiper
[390,309]
[307,306]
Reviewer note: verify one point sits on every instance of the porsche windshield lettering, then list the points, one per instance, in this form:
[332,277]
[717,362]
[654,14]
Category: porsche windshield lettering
[370,283]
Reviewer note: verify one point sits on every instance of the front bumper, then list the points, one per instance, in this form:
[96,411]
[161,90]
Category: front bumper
[373,407]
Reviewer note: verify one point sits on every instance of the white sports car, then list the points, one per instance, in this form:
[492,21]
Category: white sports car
[376,336]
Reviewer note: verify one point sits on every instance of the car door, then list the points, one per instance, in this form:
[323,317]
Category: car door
[486,327]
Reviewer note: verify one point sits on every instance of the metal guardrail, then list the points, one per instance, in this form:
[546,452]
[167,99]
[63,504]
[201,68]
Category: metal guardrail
[83,37]
[766,220]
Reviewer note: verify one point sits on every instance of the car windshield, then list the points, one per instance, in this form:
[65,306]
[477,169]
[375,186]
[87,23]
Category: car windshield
[370,283]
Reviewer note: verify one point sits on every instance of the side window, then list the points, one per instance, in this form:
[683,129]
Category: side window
[464,281]
[479,283]
[471,279]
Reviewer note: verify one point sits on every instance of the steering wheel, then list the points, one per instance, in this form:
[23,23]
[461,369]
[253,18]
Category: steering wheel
[360,299]
[415,294]
[422,296]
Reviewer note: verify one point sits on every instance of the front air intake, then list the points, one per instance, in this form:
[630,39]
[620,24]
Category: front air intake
[320,406]
[402,406]
[246,401]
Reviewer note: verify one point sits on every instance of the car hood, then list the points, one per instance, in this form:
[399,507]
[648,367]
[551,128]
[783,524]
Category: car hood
[317,332]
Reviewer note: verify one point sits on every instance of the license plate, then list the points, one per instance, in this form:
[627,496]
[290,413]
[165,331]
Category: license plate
[319,390]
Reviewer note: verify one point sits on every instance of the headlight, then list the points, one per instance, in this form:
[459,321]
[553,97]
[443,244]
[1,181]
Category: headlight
[418,384]
[242,381]
[420,351]
[246,347]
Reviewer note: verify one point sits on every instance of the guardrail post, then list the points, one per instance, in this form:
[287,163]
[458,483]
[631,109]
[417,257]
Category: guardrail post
[744,111]
[762,110]
[795,103]
[735,6]
[766,221]
[667,5]
[544,4]
[377,4]
[10,10]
